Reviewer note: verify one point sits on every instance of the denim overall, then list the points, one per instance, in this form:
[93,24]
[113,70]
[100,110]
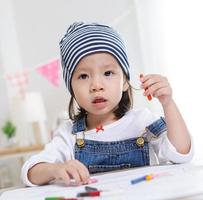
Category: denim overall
[99,156]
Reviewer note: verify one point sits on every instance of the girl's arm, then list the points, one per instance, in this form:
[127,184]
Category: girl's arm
[55,162]
[158,86]
[176,128]
[43,173]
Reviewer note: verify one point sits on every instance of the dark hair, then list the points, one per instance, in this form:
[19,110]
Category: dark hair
[124,105]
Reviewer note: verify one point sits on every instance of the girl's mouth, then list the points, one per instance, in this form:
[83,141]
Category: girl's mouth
[99,103]
[99,100]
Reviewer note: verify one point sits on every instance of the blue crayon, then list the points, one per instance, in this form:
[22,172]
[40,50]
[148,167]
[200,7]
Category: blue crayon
[142,178]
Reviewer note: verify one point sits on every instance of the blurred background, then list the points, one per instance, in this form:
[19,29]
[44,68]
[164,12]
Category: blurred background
[161,36]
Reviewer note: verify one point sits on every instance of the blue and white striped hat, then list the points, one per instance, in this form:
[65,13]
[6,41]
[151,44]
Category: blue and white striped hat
[83,39]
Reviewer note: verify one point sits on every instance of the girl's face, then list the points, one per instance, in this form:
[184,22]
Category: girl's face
[98,83]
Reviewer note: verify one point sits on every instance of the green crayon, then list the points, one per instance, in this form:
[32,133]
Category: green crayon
[54,198]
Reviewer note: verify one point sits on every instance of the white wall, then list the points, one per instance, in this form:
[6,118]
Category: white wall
[171,43]
[183,30]
[36,28]
[162,36]
[9,53]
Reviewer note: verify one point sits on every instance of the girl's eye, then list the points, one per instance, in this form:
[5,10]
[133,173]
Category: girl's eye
[108,73]
[83,76]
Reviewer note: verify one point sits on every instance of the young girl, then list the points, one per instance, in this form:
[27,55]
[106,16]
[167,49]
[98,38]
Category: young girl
[105,133]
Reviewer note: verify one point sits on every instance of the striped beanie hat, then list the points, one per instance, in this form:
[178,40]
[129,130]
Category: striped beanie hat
[83,39]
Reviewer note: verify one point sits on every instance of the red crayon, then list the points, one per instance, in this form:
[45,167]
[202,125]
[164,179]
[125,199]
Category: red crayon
[149,97]
[89,194]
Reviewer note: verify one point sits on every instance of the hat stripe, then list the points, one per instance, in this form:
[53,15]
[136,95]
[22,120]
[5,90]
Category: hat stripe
[91,29]
[91,34]
[91,41]
[97,44]
[70,42]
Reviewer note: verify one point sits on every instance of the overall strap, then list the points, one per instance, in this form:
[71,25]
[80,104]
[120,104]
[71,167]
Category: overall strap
[156,128]
[78,126]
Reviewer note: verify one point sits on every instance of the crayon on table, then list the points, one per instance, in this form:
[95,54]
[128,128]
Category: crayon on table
[60,198]
[90,189]
[90,181]
[89,194]
[53,198]
[142,178]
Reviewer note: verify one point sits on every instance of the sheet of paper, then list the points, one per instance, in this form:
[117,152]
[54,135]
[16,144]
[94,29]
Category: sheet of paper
[177,181]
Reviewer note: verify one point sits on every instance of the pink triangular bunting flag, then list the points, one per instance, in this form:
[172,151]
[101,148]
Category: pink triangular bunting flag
[51,72]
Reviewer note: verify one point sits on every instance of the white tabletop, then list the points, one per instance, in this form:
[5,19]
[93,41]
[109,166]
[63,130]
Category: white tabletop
[183,181]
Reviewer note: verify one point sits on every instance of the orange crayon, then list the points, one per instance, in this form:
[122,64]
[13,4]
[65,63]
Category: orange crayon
[149,97]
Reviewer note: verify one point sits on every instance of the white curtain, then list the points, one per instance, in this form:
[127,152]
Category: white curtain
[171,43]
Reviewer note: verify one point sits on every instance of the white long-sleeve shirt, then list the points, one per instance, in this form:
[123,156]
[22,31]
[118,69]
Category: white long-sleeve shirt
[133,124]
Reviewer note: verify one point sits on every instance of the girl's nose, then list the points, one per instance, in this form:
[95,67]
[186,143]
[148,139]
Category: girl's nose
[96,85]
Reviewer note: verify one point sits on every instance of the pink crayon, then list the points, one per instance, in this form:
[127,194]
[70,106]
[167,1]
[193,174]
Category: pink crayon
[92,180]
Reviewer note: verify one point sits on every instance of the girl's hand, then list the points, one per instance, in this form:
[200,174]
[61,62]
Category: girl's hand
[157,86]
[72,169]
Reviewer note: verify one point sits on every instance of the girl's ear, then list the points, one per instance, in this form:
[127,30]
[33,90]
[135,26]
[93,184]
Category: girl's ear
[125,85]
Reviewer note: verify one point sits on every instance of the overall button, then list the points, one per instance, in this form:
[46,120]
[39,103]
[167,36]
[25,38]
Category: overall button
[80,143]
[140,141]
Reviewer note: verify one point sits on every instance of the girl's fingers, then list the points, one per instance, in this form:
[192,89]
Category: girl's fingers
[83,172]
[157,86]
[74,173]
[72,169]
[153,79]
[64,176]
[162,92]
[78,171]
[153,88]
[144,78]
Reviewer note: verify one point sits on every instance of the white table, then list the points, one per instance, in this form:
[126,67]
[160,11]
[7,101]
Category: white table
[180,182]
